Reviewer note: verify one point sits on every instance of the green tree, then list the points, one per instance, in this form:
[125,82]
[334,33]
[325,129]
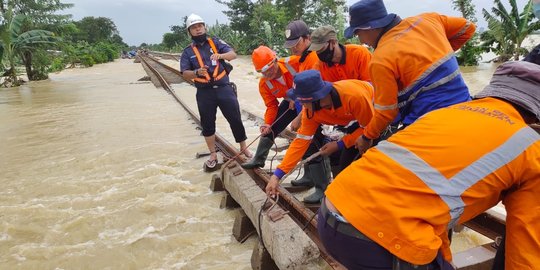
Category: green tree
[170,40]
[42,12]
[315,12]
[42,15]
[94,29]
[240,14]
[469,54]
[264,21]
[507,30]
[16,42]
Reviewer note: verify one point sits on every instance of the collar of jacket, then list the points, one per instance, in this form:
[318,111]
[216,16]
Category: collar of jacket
[305,53]
[336,100]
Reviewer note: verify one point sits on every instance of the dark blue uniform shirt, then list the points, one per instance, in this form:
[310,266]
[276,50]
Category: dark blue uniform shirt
[189,61]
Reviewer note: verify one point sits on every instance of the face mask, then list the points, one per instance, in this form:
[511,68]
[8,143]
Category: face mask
[536,8]
[326,55]
[199,39]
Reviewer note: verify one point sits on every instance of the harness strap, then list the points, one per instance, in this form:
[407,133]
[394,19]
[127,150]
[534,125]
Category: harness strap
[216,75]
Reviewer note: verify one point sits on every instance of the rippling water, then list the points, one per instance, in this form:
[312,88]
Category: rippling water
[98,171]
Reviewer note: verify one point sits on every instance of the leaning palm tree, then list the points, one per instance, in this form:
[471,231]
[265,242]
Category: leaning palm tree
[507,30]
[14,42]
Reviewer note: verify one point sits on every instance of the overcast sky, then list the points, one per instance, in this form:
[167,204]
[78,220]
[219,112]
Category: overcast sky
[147,20]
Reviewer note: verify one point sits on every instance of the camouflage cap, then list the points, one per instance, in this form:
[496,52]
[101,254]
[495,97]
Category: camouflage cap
[321,36]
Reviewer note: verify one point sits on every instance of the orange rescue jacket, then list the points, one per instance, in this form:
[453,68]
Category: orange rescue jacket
[311,61]
[446,168]
[356,104]
[354,65]
[406,55]
[271,90]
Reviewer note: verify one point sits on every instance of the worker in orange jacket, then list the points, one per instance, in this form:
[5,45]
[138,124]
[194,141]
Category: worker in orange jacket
[277,79]
[396,203]
[298,40]
[413,68]
[345,103]
[337,61]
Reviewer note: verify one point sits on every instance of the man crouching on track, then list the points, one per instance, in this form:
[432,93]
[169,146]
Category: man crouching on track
[344,103]
[277,78]
[202,62]
[392,208]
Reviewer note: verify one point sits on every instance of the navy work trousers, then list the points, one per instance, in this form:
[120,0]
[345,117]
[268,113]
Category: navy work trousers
[209,99]
[282,121]
[355,253]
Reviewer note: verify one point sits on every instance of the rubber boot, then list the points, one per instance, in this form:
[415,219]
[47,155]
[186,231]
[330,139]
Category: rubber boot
[320,179]
[259,158]
[305,181]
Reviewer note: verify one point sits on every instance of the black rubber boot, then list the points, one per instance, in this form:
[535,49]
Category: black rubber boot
[320,179]
[305,181]
[259,158]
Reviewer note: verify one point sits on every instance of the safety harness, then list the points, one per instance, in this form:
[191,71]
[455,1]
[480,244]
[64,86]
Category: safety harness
[216,76]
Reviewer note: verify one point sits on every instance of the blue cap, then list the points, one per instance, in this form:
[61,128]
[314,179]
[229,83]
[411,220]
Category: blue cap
[309,86]
[368,14]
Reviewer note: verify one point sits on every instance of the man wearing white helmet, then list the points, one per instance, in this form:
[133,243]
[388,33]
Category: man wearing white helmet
[203,63]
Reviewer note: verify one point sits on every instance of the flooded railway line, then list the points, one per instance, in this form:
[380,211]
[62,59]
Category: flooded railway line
[236,180]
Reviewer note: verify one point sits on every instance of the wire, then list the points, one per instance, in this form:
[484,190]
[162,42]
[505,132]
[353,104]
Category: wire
[254,140]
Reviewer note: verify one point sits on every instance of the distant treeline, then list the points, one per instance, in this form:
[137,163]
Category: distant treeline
[262,22]
[33,35]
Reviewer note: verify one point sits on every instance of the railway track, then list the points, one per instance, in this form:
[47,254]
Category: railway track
[489,224]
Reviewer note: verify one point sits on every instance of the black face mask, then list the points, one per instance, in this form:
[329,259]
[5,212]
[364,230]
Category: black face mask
[200,38]
[326,55]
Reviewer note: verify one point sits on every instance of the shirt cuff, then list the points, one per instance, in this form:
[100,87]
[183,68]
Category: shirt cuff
[365,138]
[279,173]
[341,144]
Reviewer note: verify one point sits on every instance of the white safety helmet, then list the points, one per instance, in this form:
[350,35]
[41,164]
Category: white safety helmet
[193,19]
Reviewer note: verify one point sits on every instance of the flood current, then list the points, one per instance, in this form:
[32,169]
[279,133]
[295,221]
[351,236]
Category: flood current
[98,171]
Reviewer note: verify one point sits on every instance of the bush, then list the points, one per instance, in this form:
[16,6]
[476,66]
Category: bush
[87,60]
[57,64]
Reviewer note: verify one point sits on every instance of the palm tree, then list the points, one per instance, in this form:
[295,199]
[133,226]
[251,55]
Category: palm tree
[508,30]
[14,42]
[469,54]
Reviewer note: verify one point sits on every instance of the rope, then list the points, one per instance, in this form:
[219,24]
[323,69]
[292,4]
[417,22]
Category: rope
[254,140]
[299,164]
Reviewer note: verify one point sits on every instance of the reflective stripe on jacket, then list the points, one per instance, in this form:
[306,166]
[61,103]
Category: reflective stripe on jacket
[356,104]
[414,70]
[446,168]
[271,90]
[354,67]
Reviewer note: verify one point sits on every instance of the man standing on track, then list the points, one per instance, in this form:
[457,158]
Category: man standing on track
[202,62]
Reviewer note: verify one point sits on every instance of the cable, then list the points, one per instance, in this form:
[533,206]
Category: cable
[260,135]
